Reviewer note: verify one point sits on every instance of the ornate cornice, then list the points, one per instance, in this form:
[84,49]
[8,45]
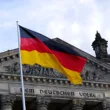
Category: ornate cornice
[104,67]
[8,57]
[9,53]
[54,81]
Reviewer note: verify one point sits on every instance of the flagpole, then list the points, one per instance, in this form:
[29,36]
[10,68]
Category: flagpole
[21,72]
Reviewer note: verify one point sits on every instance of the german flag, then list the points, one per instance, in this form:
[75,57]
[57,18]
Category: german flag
[36,48]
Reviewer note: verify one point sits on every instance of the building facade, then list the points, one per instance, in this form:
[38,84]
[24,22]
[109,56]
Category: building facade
[47,89]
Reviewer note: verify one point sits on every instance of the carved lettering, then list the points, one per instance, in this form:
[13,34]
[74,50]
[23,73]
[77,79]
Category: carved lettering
[28,91]
[56,92]
[87,95]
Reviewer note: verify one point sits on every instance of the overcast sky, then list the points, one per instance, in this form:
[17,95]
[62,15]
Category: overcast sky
[74,21]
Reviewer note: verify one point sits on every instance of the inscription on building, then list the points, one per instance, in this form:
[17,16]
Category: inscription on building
[56,92]
[87,95]
[28,91]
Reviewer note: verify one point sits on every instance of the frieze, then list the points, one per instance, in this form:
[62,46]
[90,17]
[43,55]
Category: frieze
[94,73]
[92,76]
[35,70]
[13,68]
[89,73]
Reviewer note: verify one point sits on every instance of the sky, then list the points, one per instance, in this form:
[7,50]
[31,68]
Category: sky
[74,21]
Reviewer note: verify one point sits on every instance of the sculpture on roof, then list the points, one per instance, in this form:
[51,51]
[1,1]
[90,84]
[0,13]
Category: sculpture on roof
[100,46]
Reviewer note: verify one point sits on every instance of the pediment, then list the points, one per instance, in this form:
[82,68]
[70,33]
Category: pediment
[9,63]
[94,69]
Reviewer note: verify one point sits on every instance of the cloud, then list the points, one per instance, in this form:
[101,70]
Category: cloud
[75,28]
[55,29]
[75,21]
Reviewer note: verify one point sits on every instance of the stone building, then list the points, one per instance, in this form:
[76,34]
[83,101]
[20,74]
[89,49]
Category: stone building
[47,89]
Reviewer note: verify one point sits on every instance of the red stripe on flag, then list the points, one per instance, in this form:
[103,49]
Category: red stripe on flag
[69,61]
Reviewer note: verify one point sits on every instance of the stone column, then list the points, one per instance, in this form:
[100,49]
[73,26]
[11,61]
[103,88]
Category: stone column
[7,101]
[78,104]
[106,105]
[42,103]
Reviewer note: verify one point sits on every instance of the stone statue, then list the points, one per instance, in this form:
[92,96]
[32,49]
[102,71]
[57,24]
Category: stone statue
[98,36]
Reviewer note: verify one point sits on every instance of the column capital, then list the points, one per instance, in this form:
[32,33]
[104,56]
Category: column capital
[7,100]
[106,105]
[78,104]
[42,102]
